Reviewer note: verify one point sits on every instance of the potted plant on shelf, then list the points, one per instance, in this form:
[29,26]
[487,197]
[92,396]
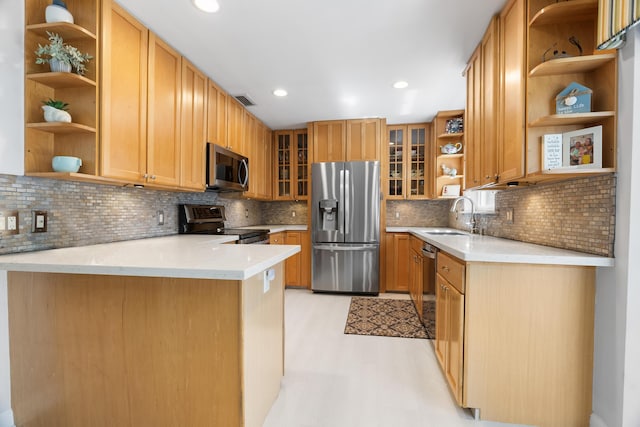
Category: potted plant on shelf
[55,111]
[60,56]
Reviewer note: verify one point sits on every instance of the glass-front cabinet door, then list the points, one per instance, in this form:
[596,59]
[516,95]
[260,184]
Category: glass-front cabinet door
[395,178]
[408,161]
[302,164]
[418,157]
[291,162]
[283,165]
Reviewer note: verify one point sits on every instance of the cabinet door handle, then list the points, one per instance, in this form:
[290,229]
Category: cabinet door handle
[153,177]
[445,268]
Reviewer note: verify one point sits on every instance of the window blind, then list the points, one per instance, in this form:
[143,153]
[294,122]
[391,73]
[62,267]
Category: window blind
[614,19]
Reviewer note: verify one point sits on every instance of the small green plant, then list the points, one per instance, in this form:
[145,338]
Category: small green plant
[56,103]
[58,50]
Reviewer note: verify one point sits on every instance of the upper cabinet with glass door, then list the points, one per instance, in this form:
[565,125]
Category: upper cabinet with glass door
[408,161]
[291,165]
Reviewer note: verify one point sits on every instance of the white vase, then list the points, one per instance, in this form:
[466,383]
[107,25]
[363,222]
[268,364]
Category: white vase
[59,66]
[52,114]
[55,13]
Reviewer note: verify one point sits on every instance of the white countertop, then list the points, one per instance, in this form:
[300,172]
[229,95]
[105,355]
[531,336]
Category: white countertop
[473,247]
[184,256]
[277,228]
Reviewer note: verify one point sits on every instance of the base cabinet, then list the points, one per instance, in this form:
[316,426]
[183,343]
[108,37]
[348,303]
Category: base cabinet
[515,341]
[398,262]
[416,274]
[298,266]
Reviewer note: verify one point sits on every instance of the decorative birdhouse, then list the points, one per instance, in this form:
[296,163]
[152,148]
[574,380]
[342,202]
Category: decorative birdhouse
[575,98]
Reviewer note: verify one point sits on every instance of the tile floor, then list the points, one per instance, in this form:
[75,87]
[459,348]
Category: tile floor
[337,380]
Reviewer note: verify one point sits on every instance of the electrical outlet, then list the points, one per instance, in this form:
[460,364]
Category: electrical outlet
[509,215]
[38,221]
[9,222]
[293,214]
[246,213]
[160,217]
[397,214]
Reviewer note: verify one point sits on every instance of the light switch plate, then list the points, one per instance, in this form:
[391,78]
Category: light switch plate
[39,221]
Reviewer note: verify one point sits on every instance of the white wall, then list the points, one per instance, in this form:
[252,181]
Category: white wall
[617,333]
[12,87]
[11,155]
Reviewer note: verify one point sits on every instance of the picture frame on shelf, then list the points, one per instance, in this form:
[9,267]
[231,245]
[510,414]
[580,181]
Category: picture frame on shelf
[551,151]
[582,148]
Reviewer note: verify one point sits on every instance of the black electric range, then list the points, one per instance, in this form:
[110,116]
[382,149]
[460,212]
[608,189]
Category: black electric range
[209,219]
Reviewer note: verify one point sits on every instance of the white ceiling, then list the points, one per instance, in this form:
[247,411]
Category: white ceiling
[337,59]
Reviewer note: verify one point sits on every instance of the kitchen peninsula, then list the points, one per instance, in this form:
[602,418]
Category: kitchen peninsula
[177,330]
[514,326]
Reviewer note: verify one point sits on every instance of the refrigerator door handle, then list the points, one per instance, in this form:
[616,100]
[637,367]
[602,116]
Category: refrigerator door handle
[344,248]
[347,201]
[341,205]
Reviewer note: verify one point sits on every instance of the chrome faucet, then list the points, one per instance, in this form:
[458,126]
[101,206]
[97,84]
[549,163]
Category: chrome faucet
[474,224]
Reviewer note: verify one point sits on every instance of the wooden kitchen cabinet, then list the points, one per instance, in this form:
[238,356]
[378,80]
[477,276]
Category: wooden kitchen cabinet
[407,162]
[125,44]
[164,109]
[482,111]
[44,140]
[502,340]
[193,127]
[450,320]
[364,138]
[346,140]
[398,262]
[154,108]
[235,127]
[329,140]
[298,266]
[216,114]
[511,101]
[416,274]
[445,135]
[276,238]
[262,155]
[291,164]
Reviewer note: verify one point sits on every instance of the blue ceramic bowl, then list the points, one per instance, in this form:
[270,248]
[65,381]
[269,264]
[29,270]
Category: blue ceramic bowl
[66,164]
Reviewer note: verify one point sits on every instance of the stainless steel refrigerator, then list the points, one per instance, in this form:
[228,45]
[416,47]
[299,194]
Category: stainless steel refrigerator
[345,227]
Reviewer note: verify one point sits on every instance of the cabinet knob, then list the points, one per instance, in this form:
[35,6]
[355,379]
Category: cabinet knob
[145,176]
[445,268]
[153,177]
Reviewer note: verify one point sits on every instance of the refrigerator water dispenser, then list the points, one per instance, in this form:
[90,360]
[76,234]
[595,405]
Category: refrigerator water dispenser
[329,215]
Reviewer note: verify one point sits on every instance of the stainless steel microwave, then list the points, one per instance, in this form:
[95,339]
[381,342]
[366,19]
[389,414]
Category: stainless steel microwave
[226,170]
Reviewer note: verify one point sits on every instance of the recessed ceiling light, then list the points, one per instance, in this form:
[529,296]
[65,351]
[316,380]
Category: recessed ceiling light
[209,6]
[280,92]
[400,84]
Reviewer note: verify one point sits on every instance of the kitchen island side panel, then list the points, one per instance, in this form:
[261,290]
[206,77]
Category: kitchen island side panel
[104,350]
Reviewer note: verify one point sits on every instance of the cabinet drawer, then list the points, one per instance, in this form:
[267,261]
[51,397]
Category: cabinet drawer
[452,270]
[416,244]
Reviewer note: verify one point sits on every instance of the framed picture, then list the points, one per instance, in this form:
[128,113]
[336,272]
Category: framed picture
[551,151]
[451,190]
[582,148]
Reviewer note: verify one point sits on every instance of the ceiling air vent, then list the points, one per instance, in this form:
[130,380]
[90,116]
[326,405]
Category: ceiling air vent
[245,100]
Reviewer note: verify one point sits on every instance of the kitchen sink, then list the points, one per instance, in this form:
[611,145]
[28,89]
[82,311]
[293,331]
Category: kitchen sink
[446,233]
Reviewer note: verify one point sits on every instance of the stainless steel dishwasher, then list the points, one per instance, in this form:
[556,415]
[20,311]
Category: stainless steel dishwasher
[429,253]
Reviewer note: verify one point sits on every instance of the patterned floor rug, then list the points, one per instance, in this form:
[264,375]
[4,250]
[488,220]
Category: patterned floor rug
[387,318]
